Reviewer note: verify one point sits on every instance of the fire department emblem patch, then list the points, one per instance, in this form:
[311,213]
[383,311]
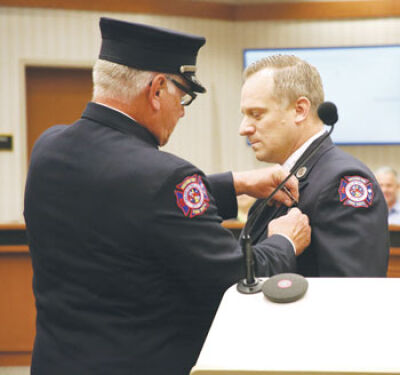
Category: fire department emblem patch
[356,191]
[191,196]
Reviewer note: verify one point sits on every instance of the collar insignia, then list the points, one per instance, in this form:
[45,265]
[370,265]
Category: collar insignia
[301,172]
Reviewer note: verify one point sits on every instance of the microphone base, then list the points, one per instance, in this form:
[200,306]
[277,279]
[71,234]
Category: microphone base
[253,288]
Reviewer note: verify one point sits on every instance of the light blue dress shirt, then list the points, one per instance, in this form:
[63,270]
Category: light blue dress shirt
[394,214]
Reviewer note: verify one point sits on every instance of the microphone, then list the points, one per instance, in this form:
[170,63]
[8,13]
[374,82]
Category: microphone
[327,112]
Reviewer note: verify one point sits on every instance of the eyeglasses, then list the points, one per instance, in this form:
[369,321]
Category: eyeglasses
[189,95]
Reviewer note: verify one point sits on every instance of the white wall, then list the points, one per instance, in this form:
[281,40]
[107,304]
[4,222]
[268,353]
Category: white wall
[208,135]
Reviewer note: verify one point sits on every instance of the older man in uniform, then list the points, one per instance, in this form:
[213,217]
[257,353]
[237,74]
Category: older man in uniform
[130,260]
[347,210]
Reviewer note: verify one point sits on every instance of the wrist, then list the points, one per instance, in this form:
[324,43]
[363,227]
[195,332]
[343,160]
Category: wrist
[240,183]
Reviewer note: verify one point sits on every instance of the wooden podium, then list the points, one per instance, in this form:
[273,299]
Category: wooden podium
[341,326]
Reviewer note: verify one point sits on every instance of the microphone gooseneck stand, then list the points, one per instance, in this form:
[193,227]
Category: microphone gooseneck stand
[250,284]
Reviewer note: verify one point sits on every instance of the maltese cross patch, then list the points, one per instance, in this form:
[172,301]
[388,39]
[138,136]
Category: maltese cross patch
[191,196]
[356,191]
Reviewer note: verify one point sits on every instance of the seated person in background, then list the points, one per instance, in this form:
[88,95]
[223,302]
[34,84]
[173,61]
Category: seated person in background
[388,180]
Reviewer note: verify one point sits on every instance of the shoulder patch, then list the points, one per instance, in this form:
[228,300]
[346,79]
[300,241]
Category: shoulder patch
[191,196]
[356,191]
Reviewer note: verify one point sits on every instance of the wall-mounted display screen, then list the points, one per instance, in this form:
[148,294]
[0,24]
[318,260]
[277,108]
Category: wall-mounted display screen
[364,83]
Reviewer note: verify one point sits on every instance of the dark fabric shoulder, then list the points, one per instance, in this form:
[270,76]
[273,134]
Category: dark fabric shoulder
[49,133]
[161,169]
[338,163]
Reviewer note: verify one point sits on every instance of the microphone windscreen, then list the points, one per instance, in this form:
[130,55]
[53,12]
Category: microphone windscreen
[327,112]
[285,287]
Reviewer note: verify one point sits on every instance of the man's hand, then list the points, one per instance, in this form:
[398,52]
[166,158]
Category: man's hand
[260,183]
[295,225]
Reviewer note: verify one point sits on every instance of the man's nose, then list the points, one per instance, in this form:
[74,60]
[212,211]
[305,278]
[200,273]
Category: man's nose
[246,128]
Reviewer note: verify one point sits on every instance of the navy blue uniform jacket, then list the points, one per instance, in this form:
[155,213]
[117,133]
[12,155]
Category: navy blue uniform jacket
[348,217]
[125,282]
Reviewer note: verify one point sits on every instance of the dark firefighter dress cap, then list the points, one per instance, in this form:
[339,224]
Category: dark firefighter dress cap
[151,48]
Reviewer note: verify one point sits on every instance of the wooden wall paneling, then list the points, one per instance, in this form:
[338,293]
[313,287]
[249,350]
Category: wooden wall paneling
[201,9]
[327,10]
[394,262]
[224,11]
[10,359]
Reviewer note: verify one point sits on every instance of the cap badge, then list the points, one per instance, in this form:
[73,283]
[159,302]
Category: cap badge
[356,191]
[191,196]
[187,68]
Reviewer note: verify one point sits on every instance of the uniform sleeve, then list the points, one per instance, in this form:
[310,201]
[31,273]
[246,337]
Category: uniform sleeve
[223,191]
[188,239]
[349,230]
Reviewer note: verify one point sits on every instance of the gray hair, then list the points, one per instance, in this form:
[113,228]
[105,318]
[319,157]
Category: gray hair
[118,81]
[386,170]
[293,78]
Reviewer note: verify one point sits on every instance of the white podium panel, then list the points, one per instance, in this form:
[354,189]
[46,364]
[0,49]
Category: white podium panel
[341,326]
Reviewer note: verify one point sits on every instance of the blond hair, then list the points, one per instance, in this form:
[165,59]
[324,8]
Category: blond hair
[293,78]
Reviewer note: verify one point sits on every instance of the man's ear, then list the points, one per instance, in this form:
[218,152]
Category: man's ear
[157,84]
[302,107]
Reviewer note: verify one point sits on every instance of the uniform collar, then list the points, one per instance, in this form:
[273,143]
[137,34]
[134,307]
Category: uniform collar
[291,161]
[304,168]
[115,109]
[112,118]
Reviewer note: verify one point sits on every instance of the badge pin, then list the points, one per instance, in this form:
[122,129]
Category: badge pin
[301,172]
